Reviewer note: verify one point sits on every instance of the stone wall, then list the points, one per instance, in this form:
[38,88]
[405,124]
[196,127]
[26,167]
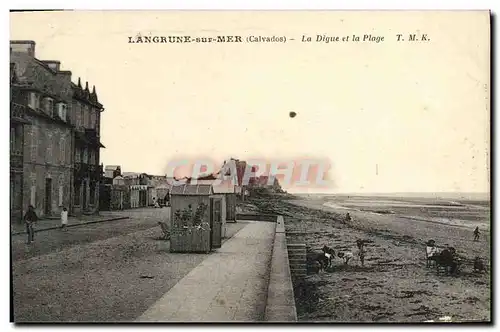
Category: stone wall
[280,299]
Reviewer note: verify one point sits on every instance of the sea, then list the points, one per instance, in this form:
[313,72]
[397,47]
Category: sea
[458,209]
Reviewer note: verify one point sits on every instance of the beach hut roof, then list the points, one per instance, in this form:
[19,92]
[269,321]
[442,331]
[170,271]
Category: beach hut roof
[224,188]
[192,190]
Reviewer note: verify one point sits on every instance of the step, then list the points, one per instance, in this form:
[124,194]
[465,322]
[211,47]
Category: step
[296,245]
[292,261]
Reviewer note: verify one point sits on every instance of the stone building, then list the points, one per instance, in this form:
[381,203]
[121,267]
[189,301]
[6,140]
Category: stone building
[86,117]
[49,129]
[43,93]
[18,123]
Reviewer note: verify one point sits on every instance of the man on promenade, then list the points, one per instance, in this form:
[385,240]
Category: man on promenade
[30,218]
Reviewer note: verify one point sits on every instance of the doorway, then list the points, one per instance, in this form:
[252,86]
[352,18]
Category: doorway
[84,196]
[48,196]
[216,223]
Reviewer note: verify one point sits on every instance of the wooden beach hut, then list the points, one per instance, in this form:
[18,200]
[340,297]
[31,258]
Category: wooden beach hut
[228,191]
[195,218]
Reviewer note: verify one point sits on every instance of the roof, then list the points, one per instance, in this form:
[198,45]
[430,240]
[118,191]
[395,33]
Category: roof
[130,174]
[192,190]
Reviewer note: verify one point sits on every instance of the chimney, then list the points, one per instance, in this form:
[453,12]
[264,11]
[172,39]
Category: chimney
[23,46]
[66,74]
[54,65]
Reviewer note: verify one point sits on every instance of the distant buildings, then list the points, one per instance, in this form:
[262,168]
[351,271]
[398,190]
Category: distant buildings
[54,135]
[127,190]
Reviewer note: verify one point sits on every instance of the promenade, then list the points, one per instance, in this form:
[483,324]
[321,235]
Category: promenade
[231,284]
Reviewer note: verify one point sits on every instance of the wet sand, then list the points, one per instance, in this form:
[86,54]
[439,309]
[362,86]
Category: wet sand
[394,285]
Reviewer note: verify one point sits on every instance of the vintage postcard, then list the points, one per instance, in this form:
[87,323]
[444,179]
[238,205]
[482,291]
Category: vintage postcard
[250,166]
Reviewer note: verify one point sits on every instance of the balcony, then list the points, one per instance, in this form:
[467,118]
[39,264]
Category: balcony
[18,113]
[83,170]
[16,160]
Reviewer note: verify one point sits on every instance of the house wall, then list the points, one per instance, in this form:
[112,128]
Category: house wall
[120,198]
[46,143]
[134,198]
[47,155]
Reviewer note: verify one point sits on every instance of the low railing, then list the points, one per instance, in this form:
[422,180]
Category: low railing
[17,111]
[88,170]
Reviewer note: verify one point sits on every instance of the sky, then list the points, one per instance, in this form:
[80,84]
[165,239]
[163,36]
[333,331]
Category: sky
[387,117]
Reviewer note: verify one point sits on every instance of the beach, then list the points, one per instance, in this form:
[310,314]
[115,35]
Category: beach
[394,284]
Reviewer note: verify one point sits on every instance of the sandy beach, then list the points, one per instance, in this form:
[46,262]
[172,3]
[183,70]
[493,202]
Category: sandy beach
[394,285]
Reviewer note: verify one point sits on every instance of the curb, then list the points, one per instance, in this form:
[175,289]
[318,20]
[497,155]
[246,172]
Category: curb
[73,225]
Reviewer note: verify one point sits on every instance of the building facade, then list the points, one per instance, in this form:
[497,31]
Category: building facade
[44,93]
[86,116]
[44,134]
[18,123]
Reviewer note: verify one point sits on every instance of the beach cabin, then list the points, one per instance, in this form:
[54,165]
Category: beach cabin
[225,190]
[228,191]
[195,218]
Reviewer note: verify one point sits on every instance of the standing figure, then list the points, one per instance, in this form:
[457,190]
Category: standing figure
[476,234]
[362,251]
[64,218]
[348,217]
[30,218]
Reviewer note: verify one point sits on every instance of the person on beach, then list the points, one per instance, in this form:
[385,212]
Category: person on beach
[348,217]
[64,218]
[29,219]
[476,234]
[361,251]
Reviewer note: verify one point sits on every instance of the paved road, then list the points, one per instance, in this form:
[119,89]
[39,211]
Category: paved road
[55,240]
[112,271]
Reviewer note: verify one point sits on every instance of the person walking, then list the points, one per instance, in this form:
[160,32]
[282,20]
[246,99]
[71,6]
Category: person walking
[29,219]
[476,234]
[361,251]
[64,218]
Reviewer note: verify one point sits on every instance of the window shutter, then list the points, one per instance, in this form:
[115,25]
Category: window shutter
[61,193]
[34,139]
[33,195]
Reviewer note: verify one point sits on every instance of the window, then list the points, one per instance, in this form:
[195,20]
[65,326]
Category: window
[82,114]
[49,106]
[92,192]
[61,195]
[34,100]
[92,157]
[50,141]
[92,119]
[11,192]
[87,117]
[62,110]
[62,158]
[18,138]
[12,139]
[77,194]
[34,143]
[77,155]
[85,156]
[76,113]
[33,194]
